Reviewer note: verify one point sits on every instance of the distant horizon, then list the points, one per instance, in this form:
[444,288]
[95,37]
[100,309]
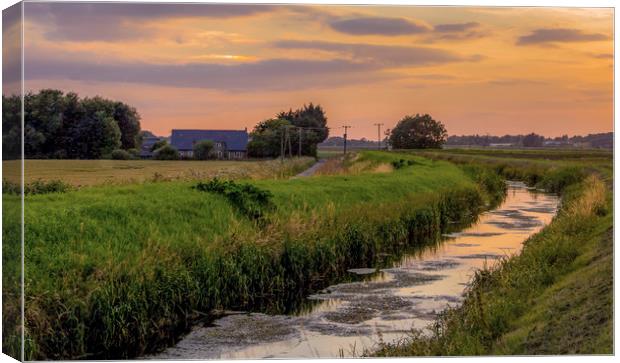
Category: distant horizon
[213,66]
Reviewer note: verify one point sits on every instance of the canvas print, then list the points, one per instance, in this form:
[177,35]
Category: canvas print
[240,181]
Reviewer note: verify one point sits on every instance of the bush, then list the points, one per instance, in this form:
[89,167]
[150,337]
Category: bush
[250,200]
[135,153]
[120,154]
[203,149]
[36,187]
[167,152]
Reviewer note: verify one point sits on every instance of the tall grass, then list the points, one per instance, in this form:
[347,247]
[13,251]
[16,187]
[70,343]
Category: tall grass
[118,271]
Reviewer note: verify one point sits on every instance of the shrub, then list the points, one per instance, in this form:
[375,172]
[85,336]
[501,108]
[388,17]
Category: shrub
[249,199]
[36,187]
[135,153]
[167,152]
[203,149]
[120,154]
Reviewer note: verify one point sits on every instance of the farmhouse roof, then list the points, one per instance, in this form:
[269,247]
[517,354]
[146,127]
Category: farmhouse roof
[236,140]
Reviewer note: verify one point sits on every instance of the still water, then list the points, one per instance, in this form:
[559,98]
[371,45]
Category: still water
[385,304]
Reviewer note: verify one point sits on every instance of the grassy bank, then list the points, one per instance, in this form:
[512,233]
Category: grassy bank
[556,297]
[117,271]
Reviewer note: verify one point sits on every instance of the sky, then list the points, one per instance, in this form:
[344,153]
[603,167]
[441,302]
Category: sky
[477,70]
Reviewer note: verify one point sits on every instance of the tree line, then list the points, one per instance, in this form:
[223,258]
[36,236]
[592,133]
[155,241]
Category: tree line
[602,140]
[65,126]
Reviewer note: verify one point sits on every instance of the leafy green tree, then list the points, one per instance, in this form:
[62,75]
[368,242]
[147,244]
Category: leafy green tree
[266,138]
[11,127]
[203,149]
[57,124]
[418,132]
[96,136]
[128,121]
[159,144]
[311,118]
[167,152]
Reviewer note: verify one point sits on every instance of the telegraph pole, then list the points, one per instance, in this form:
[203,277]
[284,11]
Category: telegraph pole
[299,129]
[379,133]
[345,138]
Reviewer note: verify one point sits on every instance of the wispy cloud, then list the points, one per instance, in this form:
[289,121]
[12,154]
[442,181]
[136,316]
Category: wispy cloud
[559,35]
[120,21]
[273,74]
[378,26]
[379,55]
[455,27]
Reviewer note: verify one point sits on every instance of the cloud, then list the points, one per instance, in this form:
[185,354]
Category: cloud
[273,74]
[118,21]
[515,82]
[377,26]
[557,35]
[378,55]
[455,28]
[603,56]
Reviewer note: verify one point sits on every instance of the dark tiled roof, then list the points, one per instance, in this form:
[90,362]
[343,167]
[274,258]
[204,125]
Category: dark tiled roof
[235,140]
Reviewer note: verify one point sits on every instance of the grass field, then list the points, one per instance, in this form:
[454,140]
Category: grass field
[96,172]
[557,296]
[120,270]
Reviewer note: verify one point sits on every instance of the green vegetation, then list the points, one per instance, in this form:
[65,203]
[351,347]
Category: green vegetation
[120,154]
[556,297]
[36,187]
[64,126]
[117,271]
[418,132]
[166,152]
[252,201]
[308,122]
[203,149]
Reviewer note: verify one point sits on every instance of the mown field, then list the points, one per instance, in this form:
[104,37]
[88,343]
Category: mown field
[115,271]
[556,297]
[96,172]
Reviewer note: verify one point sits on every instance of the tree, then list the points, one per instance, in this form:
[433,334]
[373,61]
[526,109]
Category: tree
[203,149]
[57,125]
[167,152]
[418,132]
[128,121]
[533,140]
[11,127]
[96,136]
[266,138]
[159,144]
[314,123]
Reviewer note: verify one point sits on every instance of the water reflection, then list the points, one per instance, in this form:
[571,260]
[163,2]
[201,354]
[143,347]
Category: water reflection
[383,303]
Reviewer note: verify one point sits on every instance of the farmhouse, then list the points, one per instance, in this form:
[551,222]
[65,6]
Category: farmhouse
[227,144]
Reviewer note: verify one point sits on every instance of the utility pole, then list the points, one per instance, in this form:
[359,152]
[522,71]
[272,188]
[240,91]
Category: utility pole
[345,138]
[299,129]
[379,133]
[288,137]
[282,145]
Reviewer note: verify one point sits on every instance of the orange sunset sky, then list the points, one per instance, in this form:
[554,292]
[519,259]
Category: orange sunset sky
[478,70]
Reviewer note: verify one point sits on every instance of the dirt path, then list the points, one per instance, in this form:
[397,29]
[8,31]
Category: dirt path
[311,170]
